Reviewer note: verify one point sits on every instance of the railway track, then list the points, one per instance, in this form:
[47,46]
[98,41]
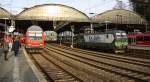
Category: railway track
[86,72]
[145,54]
[53,72]
[135,69]
[128,59]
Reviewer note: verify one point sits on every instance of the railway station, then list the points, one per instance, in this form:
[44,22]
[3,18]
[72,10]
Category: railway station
[55,42]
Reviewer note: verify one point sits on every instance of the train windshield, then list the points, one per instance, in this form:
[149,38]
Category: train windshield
[35,38]
[121,35]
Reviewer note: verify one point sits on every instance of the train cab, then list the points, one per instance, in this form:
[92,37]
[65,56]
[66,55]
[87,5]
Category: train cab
[34,39]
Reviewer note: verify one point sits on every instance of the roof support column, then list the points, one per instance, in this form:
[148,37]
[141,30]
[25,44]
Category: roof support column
[146,24]
[5,26]
[91,25]
[54,24]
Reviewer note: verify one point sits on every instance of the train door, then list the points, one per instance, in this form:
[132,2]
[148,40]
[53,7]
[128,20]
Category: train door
[132,39]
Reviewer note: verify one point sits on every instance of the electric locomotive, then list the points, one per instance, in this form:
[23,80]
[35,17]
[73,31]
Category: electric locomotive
[114,40]
[34,39]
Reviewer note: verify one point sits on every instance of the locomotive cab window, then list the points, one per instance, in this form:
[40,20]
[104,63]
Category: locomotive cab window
[118,35]
[33,38]
[121,35]
[124,35]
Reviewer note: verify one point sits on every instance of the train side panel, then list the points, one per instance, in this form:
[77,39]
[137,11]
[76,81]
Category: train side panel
[100,41]
[139,39]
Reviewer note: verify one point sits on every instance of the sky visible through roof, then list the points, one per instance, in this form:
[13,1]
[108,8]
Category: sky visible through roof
[85,6]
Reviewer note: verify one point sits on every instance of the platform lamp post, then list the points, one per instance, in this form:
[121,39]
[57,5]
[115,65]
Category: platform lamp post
[106,23]
[146,24]
[61,35]
[91,22]
[5,25]
[72,36]
[134,39]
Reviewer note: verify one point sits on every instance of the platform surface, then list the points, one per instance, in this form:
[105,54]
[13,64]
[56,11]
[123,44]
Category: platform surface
[139,47]
[16,69]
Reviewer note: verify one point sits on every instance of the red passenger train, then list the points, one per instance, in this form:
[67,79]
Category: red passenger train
[34,39]
[139,38]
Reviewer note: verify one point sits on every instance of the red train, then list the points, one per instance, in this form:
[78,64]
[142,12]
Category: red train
[139,38]
[34,39]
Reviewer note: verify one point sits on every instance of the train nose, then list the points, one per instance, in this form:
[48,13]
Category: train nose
[124,44]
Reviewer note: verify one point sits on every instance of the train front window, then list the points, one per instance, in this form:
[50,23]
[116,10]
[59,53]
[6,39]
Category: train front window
[121,35]
[124,35]
[34,38]
[118,35]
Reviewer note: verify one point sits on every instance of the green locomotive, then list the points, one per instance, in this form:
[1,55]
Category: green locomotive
[114,40]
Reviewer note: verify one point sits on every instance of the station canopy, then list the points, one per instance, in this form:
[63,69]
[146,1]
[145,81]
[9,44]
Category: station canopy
[4,14]
[52,12]
[120,16]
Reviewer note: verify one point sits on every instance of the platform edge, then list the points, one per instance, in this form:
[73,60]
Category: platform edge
[37,73]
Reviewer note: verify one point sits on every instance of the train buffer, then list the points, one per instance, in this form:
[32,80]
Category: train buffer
[18,69]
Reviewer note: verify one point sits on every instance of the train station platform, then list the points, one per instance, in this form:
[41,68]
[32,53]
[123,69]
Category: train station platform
[139,47]
[19,69]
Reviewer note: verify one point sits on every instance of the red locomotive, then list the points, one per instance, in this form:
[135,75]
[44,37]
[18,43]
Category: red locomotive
[139,38]
[34,39]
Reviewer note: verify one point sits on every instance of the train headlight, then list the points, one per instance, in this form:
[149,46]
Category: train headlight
[126,43]
[41,44]
[118,44]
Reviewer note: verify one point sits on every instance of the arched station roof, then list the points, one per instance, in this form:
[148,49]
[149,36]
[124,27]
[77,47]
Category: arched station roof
[4,14]
[120,16]
[52,12]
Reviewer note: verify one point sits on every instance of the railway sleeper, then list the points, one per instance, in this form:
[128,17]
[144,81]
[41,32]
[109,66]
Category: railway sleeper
[54,70]
[146,78]
[64,80]
[62,75]
[141,77]
[58,76]
[55,73]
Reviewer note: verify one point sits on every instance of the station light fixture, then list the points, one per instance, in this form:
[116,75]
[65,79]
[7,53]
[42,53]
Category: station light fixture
[11,29]
[106,22]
